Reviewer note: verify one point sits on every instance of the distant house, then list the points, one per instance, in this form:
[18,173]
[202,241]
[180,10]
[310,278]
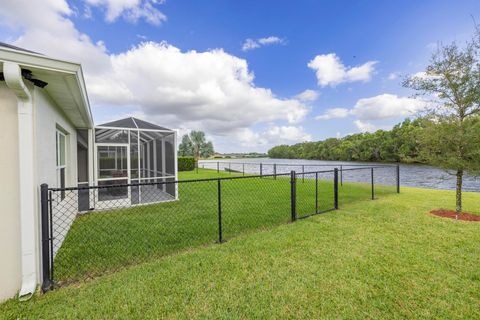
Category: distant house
[48,136]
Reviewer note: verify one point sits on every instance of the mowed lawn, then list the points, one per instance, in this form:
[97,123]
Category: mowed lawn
[386,258]
[104,241]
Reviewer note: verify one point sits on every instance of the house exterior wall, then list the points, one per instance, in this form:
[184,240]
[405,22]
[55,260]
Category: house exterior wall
[49,119]
[10,246]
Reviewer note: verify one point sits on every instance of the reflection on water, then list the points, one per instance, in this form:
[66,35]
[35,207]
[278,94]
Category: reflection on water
[412,175]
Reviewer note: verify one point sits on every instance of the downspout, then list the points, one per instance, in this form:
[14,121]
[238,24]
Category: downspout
[14,81]
[91,158]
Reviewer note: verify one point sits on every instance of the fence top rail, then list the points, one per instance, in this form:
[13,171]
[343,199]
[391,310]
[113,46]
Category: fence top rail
[297,164]
[349,169]
[203,179]
[372,167]
[167,182]
[312,172]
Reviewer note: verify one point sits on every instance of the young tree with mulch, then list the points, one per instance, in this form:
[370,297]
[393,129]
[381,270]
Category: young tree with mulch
[451,84]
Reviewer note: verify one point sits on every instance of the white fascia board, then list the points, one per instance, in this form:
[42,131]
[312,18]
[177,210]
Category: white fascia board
[38,61]
[83,89]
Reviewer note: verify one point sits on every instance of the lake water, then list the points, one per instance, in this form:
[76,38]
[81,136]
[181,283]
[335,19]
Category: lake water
[413,175]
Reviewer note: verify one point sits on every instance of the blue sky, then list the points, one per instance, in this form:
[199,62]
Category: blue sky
[184,64]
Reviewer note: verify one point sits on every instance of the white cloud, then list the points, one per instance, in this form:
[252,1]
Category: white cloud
[384,106]
[308,95]
[211,91]
[365,126]
[330,71]
[270,40]
[45,27]
[251,44]
[377,109]
[273,135]
[424,75]
[393,76]
[420,74]
[131,10]
[87,12]
[387,106]
[334,113]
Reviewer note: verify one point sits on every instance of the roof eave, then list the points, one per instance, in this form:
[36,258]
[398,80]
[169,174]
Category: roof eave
[38,61]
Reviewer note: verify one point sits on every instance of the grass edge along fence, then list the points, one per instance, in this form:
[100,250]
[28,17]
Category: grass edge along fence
[77,245]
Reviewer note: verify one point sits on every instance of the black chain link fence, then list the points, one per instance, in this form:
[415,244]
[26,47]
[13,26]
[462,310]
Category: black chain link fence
[90,231]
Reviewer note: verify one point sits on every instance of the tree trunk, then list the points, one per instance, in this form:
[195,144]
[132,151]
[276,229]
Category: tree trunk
[459,192]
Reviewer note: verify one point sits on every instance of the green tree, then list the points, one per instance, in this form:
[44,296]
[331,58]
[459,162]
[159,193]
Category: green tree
[185,148]
[399,144]
[281,152]
[206,150]
[195,144]
[451,140]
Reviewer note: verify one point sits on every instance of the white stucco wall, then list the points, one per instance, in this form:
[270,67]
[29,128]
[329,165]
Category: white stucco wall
[49,118]
[10,250]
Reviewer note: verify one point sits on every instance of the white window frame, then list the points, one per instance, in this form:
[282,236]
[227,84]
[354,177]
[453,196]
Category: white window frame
[59,166]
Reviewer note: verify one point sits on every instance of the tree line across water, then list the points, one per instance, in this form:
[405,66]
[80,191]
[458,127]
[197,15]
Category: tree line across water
[448,136]
[401,144]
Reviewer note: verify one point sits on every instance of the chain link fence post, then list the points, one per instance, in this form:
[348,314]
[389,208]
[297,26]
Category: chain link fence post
[46,238]
[293,195]
[316,192]
[398,178]
[341,175]
[335,188]
[373,185]
[219,197]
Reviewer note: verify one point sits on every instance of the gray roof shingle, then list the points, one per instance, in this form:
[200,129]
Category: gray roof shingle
[9,46]
[133,123]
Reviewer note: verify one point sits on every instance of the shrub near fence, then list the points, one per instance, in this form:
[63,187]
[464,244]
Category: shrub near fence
[186,163]
[77,246]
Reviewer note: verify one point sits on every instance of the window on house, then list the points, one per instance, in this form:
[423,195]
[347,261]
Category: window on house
[61,162]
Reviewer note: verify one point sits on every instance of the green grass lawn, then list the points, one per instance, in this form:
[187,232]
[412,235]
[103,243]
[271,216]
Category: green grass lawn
[102,242]
[382,259]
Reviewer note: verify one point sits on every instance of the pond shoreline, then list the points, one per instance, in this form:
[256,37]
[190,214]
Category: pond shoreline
[411,174]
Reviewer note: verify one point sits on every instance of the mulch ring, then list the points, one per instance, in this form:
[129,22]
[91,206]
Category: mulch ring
[452,215]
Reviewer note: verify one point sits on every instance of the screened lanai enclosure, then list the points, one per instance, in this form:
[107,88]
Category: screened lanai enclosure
[134,152]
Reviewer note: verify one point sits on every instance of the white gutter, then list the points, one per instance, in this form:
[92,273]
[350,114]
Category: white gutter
[13,79]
